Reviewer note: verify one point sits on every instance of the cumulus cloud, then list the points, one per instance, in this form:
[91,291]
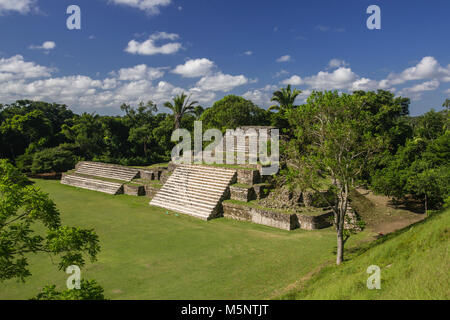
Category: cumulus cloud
[221,82]
[427,68]
[16,68]
[415,92]
[337,63]
[47,45]
[21,79]
[149,6]
[341,78]
[139,72]
[149,47]
[294,81]
[19,6]
[285,58]
[194,68]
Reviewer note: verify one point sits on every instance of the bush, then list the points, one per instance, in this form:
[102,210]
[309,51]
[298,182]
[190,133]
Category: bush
[53,160]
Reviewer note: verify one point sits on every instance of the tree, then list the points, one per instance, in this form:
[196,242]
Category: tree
[331,143]
[432,185]
[285,98]
[22,208]
[86,131]
[198,111]
[180,106]
[446,103]
[53,160]
[231,112]
[141,123]
[89,290]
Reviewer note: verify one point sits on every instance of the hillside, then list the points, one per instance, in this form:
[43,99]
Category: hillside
[414,264]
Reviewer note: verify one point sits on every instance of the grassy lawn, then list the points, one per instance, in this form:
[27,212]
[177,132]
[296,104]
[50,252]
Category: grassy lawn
[147,254]
[414,264]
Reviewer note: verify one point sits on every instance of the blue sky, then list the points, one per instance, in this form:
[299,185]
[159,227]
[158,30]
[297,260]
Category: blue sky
[132,50]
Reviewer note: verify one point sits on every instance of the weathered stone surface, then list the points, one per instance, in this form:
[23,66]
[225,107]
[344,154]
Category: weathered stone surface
[250,177]
[164,176]
[352,220]
[147,174]
[316,199]
[236,212]
[150,174]
[283,198]
[134,190]
[261,190]
[151,191]
[276,219]
[240,193]
[92,184]
[105,170]
[315,222]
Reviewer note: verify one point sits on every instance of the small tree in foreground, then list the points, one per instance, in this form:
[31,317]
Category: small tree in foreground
[22,208]
[89,290]
[331,143]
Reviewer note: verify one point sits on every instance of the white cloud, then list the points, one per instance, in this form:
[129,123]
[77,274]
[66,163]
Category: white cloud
[427,68]
[285,58]
[447,91]
[130,85]
[258,96]
[248,53]
[47,45]
[194,68]
[337,63]
[16,68]
[281,73]
[140,72]
[341,78]
[221,82]
[415,92]
[20,6]
[149,6]
[149,47]
[294,81]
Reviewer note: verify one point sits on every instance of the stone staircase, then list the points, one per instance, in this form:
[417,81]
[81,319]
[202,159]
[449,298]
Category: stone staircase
[92,184]
[109,171]
[195,190]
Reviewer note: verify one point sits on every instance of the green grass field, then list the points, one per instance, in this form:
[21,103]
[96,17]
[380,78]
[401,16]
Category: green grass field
[147,254]
[414,264]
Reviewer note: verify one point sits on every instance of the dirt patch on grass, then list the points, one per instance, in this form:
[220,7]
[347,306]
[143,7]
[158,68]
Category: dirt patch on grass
[381,214]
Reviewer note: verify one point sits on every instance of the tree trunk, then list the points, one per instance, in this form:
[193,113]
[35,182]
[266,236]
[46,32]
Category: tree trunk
[340,247]
[340,220]
[177,122]
[426,205]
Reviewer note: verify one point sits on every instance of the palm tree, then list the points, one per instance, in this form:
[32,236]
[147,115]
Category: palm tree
[446,103]
[180,107]
[285,99]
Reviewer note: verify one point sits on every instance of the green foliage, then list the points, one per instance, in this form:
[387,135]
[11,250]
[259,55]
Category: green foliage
[413,262]
[22,208]
[421,167]
[30,122]
[232,112]
[285,98]
[331,141]
[89,290]
[180,107]
[53,160]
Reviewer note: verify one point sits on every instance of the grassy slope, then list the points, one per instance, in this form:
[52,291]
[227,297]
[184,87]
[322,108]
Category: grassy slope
[147,254]
[414,264]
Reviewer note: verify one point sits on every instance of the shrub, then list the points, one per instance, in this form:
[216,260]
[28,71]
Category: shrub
[53,160]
